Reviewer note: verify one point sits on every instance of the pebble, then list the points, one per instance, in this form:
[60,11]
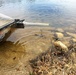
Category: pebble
[59,35]
[61,45]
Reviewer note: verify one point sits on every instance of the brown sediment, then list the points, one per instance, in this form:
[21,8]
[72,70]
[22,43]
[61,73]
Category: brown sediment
[55,62]
[10,54]
[33,52]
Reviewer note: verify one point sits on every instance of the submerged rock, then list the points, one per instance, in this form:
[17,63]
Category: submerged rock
[61,45]
[71,34]
[59,35]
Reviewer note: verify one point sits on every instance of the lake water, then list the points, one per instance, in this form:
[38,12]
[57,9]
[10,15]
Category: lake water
[56,12]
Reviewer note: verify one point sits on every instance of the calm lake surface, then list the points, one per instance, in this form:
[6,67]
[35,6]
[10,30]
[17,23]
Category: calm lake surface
[56,12]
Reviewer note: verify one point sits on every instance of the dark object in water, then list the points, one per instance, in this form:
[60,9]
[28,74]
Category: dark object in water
[17,23]
[6,30]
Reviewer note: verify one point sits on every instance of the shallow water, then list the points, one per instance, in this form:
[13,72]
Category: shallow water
[58,13]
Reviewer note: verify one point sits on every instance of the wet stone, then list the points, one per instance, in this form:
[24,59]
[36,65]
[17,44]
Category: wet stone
[61,45]
[58,35]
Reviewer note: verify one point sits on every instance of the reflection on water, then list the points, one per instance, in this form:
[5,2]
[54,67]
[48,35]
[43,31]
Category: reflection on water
[56,12]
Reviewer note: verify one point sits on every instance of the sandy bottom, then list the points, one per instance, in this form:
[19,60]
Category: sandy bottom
[30,51]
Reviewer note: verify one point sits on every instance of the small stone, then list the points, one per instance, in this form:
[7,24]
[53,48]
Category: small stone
[61,45]
[59,35]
